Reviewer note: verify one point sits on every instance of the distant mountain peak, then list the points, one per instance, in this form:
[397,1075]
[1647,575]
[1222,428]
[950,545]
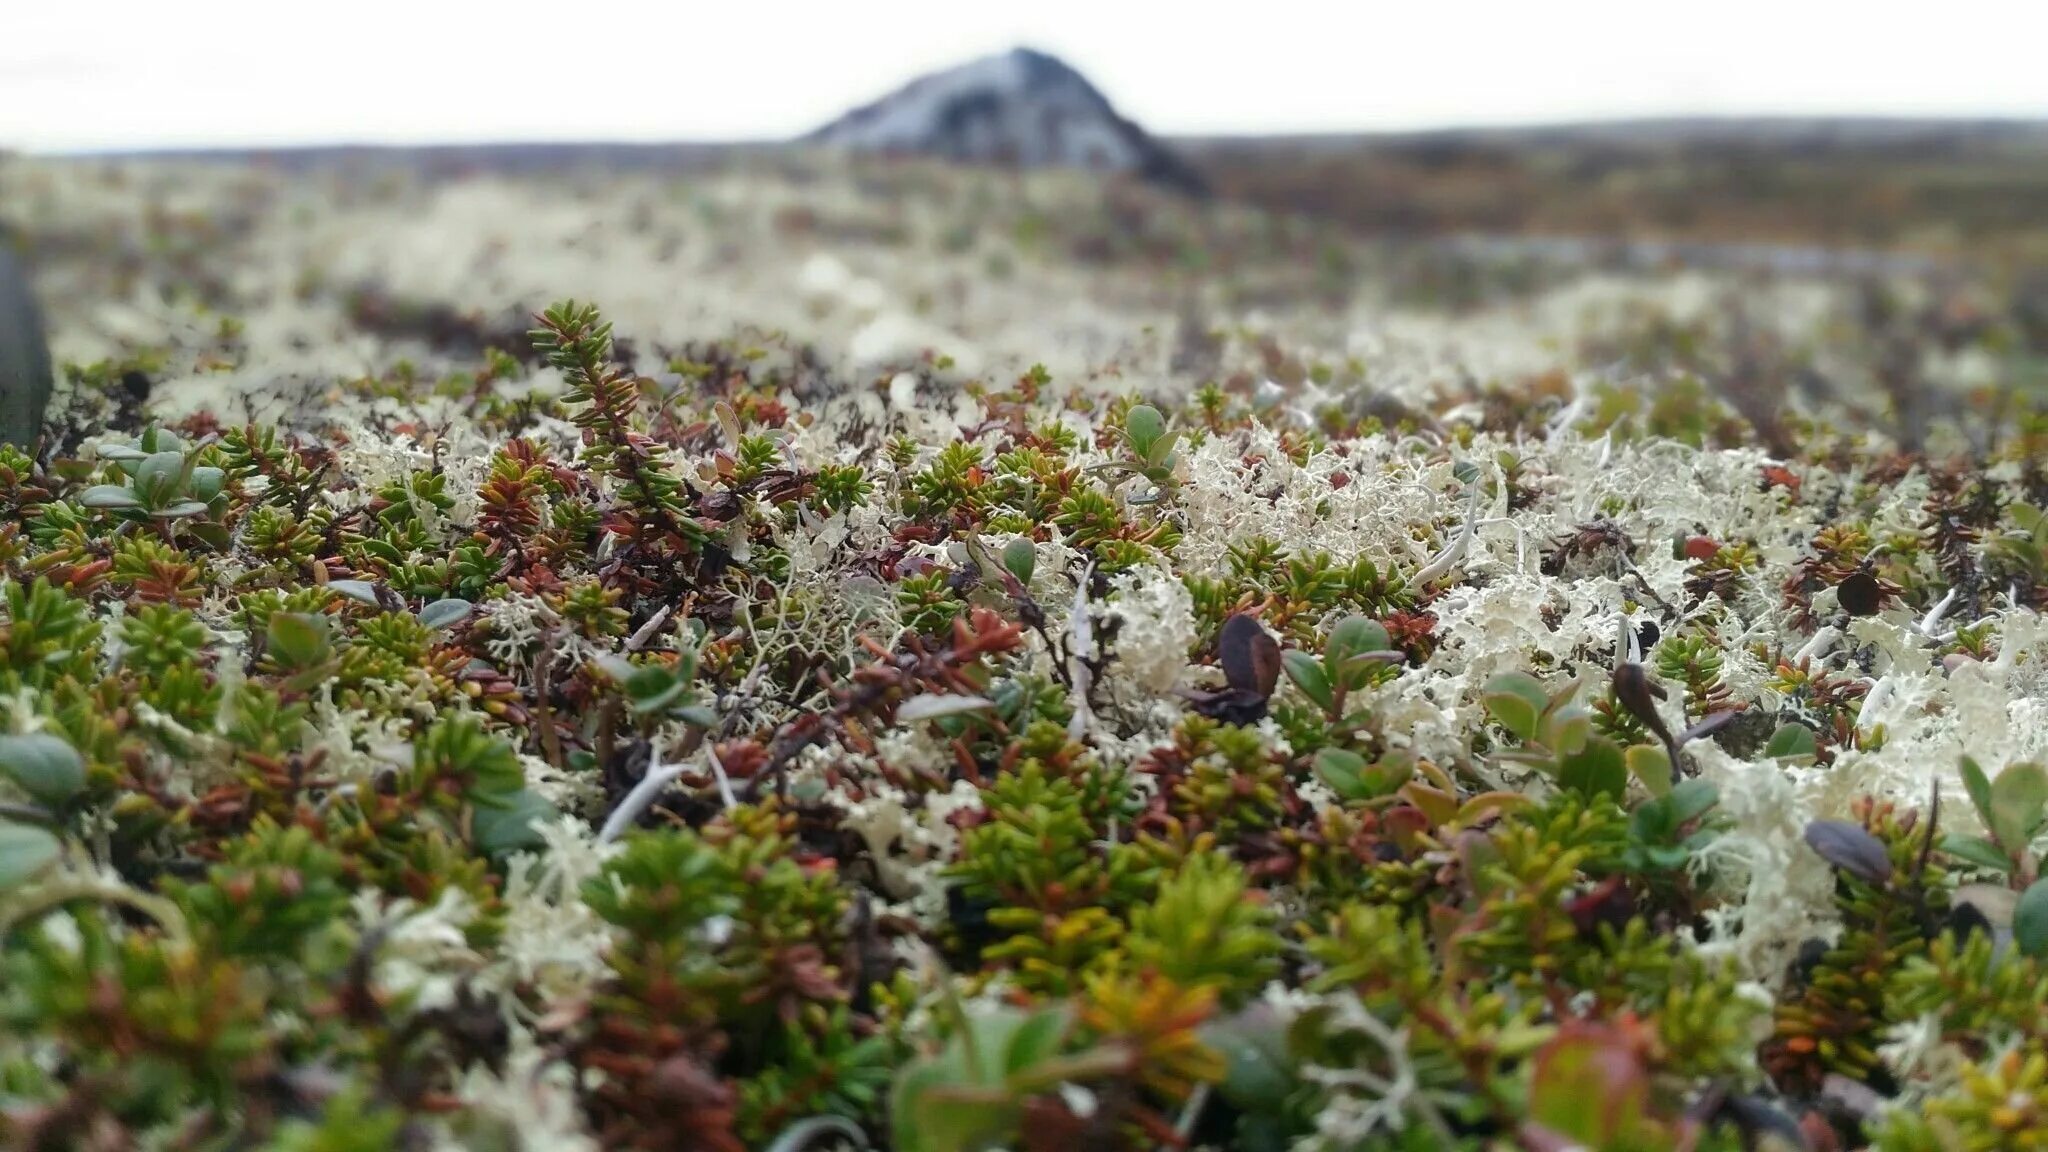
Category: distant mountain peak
[1022,107]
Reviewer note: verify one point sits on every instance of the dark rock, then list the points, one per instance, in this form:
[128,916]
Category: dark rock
[1022,108]
[1746,736]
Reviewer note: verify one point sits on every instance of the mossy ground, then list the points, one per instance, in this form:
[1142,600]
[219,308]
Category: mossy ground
[941,662]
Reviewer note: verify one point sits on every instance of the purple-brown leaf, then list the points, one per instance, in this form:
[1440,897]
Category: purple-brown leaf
[1251,657]
[1859,594]
[1852,849]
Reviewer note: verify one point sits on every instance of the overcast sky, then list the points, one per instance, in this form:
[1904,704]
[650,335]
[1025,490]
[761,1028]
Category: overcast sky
[89,74]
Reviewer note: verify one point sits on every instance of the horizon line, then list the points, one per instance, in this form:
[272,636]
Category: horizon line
[1907,122]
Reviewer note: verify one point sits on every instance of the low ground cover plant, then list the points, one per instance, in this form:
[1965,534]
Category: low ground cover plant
[597,754]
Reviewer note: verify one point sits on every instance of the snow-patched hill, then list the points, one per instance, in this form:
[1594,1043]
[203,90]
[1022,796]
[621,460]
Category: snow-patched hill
[1021,107]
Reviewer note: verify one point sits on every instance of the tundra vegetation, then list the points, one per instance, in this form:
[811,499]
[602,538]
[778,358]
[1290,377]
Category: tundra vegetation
[522,734]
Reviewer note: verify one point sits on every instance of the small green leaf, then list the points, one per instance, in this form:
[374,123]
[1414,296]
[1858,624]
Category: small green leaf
[159,476]
[163,440]
[1307,674]
[46,766]
[1036,1040]
[1651,765]
[1516,702]
[109,496]
[207,482]
[1512,713]
[1160,456]
[124,456]
[25,850]
[1569,732]
[698,714]
[2018,797]
[1144,425]
[1590,1088]
[361,591]
[182,510]
[1253,1044]
[1384,778]
[728,423]
[1596,769]
[447,613]
[1979,851]
[1020,557]
[216,535]
[2030,920]
[951,1118]
[1792,742]
[298,640]
[1692,799]
[311,677]
[1353,635]
[1358,634]
[651,695]
[1978,785]
[1667,856]
[1340,769]
[1488,804]
[1558,703]
[502,823]
[1652,822]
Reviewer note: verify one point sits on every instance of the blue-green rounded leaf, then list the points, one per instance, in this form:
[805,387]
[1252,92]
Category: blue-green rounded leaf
[1979,851]
[1341,768]
[109,496]
[1160,455]
[159,475]
[164,440]
[1144,425]
[45,765]
[207,481]
[124,456]
[1792,742]
[1978,785]
[1692,798]
[297,639]
[447,613]
[361,591]
[25,851]
[501,824]
[1253,1045]
[2019,795]
[1595,769]
[2030,920]
[1307,673]
[1516,702]
[1020,556]
[1355,634]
